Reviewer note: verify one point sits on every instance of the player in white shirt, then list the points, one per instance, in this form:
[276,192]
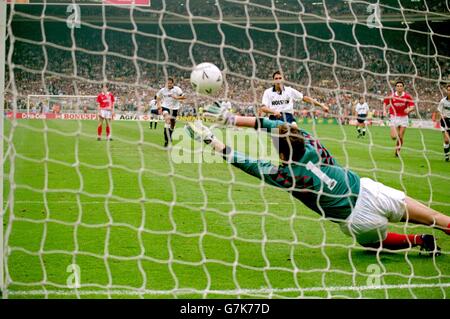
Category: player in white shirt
[278,101]
[226,104]
[168,101]
[444,114]
[154,114]
[361,110]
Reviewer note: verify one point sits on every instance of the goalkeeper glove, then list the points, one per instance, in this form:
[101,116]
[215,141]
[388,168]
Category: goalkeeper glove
[199,132]
[219,114]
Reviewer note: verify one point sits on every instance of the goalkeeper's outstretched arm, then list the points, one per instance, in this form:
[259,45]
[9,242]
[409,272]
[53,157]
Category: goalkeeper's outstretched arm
[261,169]
[222,116]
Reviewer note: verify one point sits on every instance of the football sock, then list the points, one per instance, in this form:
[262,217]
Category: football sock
[166,135]
[447,231]
[99,130]
[446,149]
[364,132]
[151,124]
[399,145]
[395,241]
[156,123]
[108,131]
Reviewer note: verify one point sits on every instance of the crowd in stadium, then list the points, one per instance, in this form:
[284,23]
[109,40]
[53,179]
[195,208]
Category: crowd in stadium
[137,65]
[321,80]
[333,7]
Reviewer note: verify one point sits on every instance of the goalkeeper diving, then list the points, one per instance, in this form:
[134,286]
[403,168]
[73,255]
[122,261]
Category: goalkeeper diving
[362,207]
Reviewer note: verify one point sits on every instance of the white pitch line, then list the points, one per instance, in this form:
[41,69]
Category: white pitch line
[138,292]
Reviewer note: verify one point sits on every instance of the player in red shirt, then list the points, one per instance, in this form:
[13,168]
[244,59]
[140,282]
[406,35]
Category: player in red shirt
[400,105]
[105,109]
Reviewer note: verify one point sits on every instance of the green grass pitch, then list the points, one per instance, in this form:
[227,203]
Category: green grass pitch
[134,220]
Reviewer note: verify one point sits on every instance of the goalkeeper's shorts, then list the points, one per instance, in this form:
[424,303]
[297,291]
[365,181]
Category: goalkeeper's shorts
[376,206]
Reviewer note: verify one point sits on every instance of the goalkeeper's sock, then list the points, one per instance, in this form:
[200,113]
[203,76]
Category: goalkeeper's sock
[99,130]
[395,241]
[447,231]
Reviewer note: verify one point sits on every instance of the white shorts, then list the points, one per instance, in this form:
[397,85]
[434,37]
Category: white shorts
[377,204]
[399,121]
[106,114]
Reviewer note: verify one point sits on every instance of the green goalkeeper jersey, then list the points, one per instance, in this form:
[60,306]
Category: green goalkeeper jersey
[316,179]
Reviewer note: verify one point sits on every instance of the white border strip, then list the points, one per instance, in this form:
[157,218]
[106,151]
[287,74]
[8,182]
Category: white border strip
[139,292]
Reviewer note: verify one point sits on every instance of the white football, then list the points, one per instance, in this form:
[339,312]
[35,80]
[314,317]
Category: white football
[206,78]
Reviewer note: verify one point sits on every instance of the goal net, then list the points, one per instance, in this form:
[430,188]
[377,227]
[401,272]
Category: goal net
[128,217]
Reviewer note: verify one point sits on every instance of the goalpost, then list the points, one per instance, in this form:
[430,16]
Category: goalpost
[2,104]
[128,218]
